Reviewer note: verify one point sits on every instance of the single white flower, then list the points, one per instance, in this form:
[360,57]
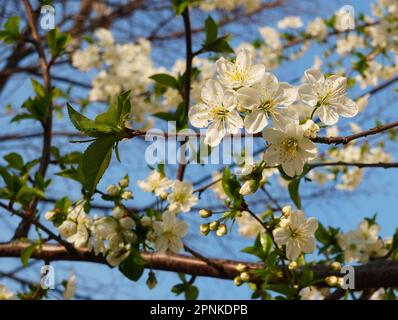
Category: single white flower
[289,148]
[116,257]
[240,73]
[67,228]
[328,96]
[248,227]
[127,223]
[266,99]
[313,293]
[104,36]
[168,233]
[217,112]
[106,226]
[317,28]
[155,182]
[70,287]
[181,198]
[293,22]
[297,234]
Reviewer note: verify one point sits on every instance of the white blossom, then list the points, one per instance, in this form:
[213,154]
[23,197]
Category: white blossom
[266,99]
[288,148]
[155,182]
[169,232]
[217,112]
[181,197]
[297,233]
[240,73]
[328,96]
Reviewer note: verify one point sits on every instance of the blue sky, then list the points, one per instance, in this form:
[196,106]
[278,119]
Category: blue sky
[377,195]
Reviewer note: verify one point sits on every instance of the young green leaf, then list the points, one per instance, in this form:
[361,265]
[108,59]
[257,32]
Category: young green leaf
[293,188]
[88,126]
[165,80]
[27,253]
[132,268]
[96,159]
[211,29]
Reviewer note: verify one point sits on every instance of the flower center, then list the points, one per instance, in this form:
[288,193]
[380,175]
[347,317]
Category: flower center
[237,75]
[290,147]
[219,112]
[267,106]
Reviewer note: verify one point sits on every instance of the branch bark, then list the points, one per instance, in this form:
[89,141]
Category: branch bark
[375,274]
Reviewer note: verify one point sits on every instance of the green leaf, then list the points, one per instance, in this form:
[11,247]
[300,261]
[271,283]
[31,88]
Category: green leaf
[165,80]
[27,252]
[57,41]
[220,45]
[132,268]
[179,6]
[38,88]
[191,292]
[88,126]
[293,188]
[11,32]
[14,160]
[96,160]
[211,30]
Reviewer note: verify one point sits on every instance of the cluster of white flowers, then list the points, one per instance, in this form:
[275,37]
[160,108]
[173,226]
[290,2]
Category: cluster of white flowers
[229,5]
[180,198]
[111,236]
[296,232]
[244,88]
[362,243]
[120,68]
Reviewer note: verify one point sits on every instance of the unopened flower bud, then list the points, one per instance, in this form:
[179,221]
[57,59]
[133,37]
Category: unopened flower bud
[151,282]
[222,230]
[293,265]
[205,213]
[241,267]
[204,229]
[287,210]
[214,225]
[332,280]
[127,223]
[163,195]
[336,265]
[238,281]
[118,212]
[50,215]
[124,182]
[248,187]
[245,276]
[113,190]
[127,195]
[146,221]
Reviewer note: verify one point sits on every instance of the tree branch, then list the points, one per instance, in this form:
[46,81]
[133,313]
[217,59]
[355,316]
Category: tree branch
[375,274]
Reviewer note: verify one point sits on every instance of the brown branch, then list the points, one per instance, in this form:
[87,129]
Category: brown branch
[375,274]
[23,228]
[384,165]
[347,139]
